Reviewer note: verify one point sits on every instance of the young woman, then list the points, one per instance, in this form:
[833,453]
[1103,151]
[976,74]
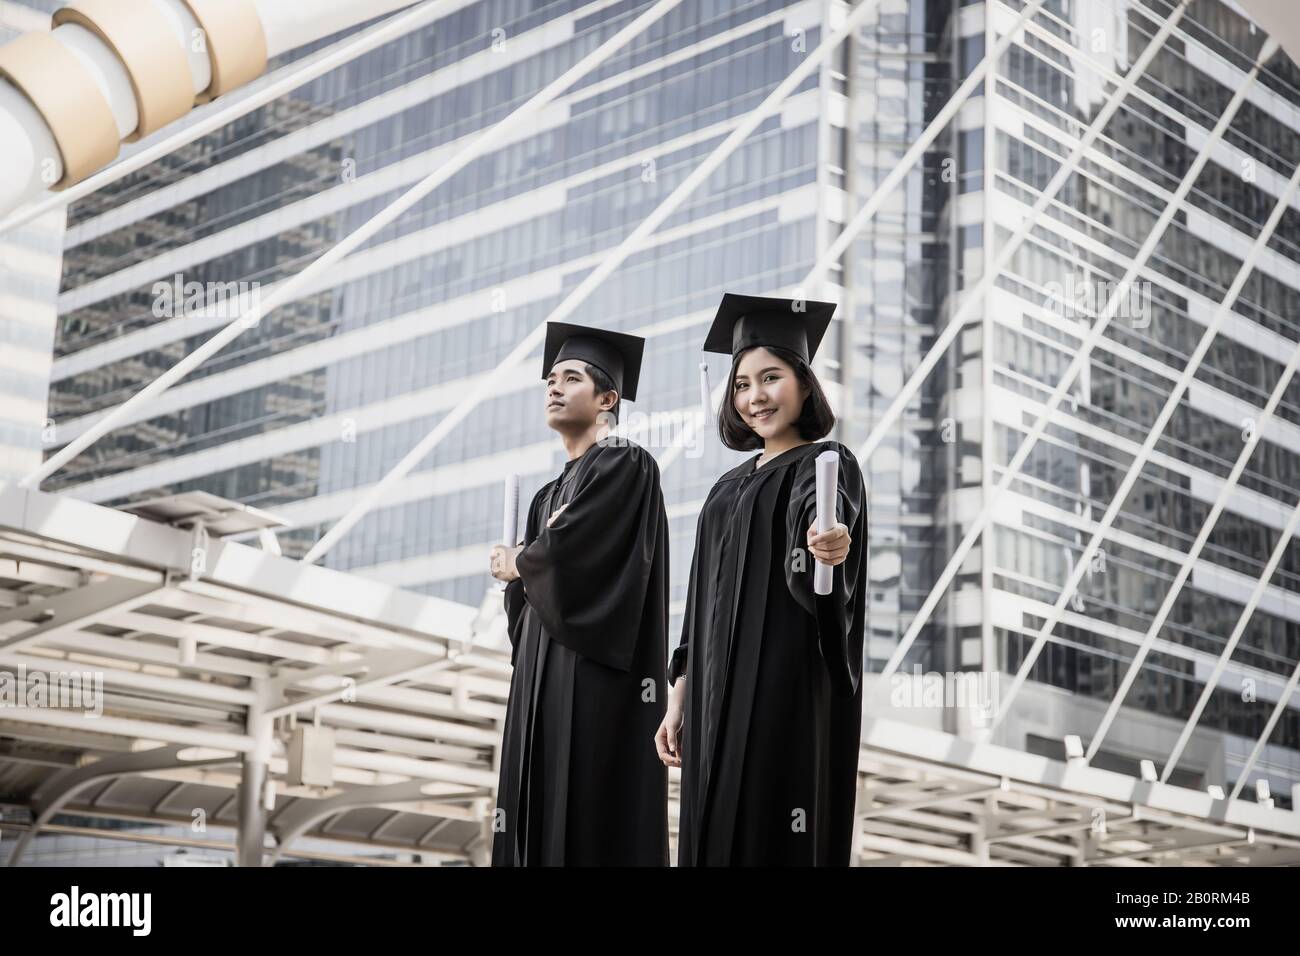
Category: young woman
[764,717]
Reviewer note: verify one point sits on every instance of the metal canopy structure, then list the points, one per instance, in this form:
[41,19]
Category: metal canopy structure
[190,662]
[927,797]
[205,677]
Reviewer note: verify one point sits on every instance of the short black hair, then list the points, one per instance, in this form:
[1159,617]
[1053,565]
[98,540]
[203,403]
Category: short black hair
[814,422]
[603,384]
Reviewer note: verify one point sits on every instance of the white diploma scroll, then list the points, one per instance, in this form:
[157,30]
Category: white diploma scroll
[828,479]
[705,392]
[510,516]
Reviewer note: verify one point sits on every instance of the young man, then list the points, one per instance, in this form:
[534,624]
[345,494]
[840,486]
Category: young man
[587,604]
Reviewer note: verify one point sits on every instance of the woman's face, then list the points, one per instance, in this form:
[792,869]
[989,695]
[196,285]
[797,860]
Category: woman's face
[767,393]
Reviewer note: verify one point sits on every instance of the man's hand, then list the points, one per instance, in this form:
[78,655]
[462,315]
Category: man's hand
[502,561]
[555,514]
[830,547]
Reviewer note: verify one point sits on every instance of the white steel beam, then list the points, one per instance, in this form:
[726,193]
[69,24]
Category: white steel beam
[72,610]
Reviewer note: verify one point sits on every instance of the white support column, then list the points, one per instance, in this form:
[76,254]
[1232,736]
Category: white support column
[1081,357]
[250,839]
[477,147]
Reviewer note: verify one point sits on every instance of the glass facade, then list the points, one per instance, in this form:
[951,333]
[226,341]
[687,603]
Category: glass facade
[326,394]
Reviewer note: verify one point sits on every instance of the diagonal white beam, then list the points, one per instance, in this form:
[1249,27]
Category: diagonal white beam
[883,192]
[489,382]
[1220,501]
[1211,682]
[67,612]
[285,81]
[395,674]
[1081,358]
[1267,732]
[1135,470]
[385,217]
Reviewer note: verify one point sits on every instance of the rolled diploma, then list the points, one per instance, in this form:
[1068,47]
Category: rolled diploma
[510,516]
[828,479]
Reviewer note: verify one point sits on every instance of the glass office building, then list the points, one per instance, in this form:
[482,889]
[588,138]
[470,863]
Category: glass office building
[309,408]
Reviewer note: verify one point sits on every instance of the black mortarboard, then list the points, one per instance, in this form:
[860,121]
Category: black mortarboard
[617,354]
[745,320]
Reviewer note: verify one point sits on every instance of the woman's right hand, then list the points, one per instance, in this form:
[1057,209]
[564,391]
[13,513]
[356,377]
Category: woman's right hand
[667,738]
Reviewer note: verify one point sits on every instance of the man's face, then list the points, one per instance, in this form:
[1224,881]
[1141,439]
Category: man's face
[571,399]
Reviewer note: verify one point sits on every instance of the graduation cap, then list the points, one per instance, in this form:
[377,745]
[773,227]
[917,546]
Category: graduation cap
[746,320]
[617,354]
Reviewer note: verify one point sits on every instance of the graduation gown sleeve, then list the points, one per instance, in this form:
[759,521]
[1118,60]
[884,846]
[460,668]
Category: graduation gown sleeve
[839,632]
[677,662]
[586,576]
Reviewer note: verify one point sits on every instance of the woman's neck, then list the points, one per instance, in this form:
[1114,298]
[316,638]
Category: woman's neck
[777,444]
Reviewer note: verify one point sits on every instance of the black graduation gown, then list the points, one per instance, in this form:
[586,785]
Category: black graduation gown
[581,782]
[773,708]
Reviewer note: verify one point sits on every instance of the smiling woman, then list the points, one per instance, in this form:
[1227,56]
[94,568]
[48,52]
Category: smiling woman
[766,729]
